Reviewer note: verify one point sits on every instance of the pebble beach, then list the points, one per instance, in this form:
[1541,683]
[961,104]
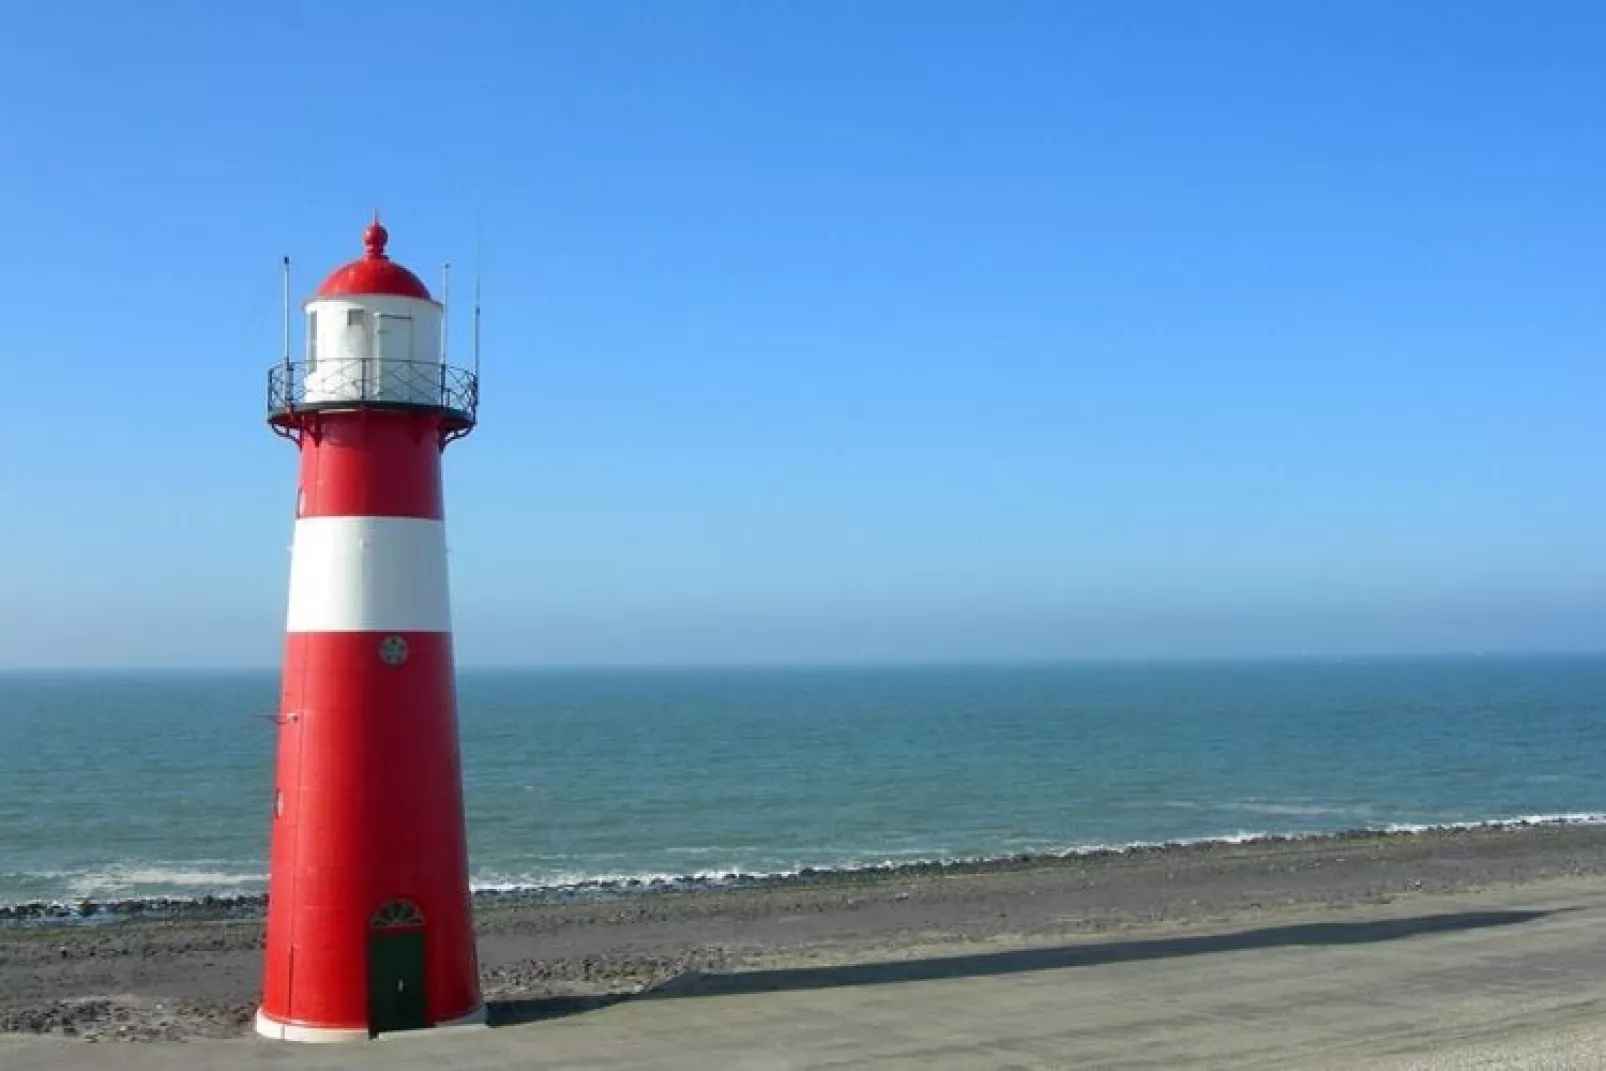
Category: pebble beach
[194,973]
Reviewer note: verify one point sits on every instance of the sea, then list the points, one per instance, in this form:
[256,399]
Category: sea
[149,786]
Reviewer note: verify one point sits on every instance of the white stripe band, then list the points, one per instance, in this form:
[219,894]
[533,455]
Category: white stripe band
[369,574]
[269,1027]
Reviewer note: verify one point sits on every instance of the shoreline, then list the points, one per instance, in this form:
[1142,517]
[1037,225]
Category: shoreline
[148,979]
[90,911]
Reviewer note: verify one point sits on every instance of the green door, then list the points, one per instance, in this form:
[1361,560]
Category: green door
[396,981]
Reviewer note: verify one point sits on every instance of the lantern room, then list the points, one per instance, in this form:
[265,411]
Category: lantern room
[374,339]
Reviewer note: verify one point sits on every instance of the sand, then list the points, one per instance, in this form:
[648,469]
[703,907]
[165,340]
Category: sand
[177,981]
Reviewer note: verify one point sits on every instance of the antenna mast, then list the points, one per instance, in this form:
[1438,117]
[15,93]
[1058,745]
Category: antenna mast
[286,321]
[478,276]
[446,308]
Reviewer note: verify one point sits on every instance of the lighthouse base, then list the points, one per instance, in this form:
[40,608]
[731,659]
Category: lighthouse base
[271,1028]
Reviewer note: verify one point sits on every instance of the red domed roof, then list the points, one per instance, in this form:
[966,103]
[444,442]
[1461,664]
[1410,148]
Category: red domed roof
[375,273]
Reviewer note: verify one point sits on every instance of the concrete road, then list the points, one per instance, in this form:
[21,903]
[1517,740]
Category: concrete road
[1511,979]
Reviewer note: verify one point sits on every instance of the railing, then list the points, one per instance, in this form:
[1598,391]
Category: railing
[372,382]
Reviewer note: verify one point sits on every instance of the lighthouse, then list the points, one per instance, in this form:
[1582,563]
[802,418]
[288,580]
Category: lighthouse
[370,927]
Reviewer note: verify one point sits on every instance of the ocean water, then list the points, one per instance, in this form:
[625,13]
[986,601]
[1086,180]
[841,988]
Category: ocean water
[132,785]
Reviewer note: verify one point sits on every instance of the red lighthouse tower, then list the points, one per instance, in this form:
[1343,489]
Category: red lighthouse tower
[369,918]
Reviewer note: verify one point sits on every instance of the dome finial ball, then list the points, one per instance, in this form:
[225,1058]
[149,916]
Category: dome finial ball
[374,239]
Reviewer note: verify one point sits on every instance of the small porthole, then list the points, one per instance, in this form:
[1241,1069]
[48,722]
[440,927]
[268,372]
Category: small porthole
[393,650]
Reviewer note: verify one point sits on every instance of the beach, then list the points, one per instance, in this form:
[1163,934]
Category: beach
[83,991]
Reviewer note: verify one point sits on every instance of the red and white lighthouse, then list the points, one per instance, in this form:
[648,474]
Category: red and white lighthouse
[369,915]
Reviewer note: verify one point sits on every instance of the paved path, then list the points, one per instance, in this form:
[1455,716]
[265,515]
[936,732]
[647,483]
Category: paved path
[1494,980]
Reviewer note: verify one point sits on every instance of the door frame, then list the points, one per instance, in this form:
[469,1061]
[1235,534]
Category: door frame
[396,919]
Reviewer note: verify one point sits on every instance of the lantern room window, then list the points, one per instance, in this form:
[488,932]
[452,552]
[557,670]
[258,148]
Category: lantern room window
[357,333]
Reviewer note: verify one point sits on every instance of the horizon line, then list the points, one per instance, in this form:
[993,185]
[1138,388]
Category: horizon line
[888,663]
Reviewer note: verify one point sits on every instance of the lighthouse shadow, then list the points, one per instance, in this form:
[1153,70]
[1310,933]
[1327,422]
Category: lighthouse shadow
[520,1010]
[1081,955]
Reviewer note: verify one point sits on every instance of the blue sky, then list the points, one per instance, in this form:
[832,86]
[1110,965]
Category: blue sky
[833,331]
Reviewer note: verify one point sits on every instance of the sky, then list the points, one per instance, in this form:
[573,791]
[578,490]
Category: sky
[906,330]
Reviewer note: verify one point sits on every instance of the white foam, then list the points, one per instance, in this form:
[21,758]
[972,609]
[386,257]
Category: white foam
[134,880]
[1527,821]
[1277,808]
[712,849]
[124,878]
[613,882]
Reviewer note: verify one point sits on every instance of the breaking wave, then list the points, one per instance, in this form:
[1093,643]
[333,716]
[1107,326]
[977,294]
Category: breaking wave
[232,894]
